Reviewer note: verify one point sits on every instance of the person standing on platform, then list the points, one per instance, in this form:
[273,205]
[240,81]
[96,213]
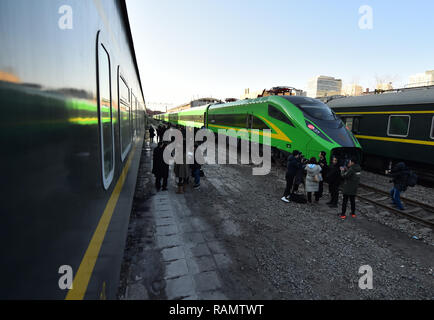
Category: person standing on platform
[195,169]
[159,167]
[152,134]
[313,179]
[291,170]
[182,173]
[324,167]
[351,175]
[160,132]
[334,180]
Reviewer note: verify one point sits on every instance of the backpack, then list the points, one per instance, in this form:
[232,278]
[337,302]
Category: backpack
[411,179]
[298,198]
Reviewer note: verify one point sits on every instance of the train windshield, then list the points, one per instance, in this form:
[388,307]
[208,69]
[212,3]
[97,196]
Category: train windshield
[318,110]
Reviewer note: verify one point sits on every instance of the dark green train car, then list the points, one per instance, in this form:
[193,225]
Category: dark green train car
[392,127]
[72,129]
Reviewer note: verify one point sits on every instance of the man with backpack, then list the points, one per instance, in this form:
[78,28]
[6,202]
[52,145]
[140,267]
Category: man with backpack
[402,178]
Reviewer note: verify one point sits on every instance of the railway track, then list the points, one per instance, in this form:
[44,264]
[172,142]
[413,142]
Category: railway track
[415,210]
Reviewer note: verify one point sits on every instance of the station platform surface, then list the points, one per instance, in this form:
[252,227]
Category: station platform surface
[234,239]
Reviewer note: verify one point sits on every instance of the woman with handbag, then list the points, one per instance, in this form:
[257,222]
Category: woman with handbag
[313,178]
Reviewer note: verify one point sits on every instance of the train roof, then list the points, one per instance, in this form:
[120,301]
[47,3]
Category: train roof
[247,101]
[124,11]
[421,95]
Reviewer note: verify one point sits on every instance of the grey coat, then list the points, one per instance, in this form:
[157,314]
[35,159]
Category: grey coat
[311,184]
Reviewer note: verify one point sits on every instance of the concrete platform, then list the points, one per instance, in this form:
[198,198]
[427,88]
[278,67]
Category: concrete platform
[234,239]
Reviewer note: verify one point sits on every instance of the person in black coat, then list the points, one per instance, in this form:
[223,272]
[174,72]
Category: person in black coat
[152,134]
[195,169]
[293,166]
[324,168]
[159,167]
[160,132]
[333,178]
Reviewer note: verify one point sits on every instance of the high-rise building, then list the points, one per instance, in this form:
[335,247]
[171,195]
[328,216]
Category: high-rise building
[384,86]
[324,86]
[421,79]
[352,90]
[275,91]
[194,104]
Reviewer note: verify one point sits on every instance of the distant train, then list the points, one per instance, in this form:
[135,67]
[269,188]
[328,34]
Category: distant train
[72,128]
[392,127]
[296,123]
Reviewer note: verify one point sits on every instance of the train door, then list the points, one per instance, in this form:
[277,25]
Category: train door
[249,124]
[136,127]
[133,114]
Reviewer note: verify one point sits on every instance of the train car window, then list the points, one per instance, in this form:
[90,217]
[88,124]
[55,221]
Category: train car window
[105,116]
[432,129]
[259,124]
[125,117]
[124,91]
[229,120]
[277,114]
[398,126]
[173,117]
[356,124]
[318,110]
[137,117]
[349,123]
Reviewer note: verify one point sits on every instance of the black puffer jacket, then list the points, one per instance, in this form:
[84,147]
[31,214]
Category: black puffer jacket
[159,167]
[324,167]
[351,179]
[333,175]
[292,166]
[400,175]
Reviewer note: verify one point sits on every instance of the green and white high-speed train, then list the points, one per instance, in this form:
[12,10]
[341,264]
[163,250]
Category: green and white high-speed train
[296,123]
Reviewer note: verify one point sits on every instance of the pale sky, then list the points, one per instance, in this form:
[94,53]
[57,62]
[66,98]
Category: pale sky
[196,48]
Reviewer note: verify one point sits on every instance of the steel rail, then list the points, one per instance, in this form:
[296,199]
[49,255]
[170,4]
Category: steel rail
[417,204]
[423,205]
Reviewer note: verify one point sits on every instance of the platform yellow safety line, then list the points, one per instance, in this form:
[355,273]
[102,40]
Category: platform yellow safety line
[428,143]
[84,273]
